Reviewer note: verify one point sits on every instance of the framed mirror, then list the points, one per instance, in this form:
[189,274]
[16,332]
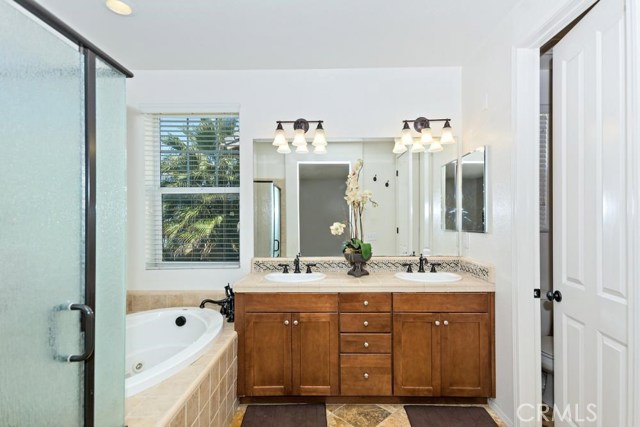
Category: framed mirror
[474,191]
[406,188]
[449,200]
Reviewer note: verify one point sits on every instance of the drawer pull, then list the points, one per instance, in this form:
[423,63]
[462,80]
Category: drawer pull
[365,323]
[437,323]
[446,323]
[366,303]
[366,344]
[366,376]
[286,323]
[295,323]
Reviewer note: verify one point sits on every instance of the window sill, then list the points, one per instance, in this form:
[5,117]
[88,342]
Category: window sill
[193,266]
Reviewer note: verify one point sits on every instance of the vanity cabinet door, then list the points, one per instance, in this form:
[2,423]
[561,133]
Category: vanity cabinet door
[268,354]
[416,354]
[315,353]
[466,366]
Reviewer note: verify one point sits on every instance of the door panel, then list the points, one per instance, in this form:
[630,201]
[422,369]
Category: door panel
[590,229]
[466,369]
[42,217]
[416,354]
[268,354]
[315,353]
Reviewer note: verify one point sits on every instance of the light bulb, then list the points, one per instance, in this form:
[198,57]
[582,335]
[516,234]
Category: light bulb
[284,149]
[320,149]
[435,147]
[399,147]
[301,149]
[447,134]
[280,138]
[119,7]
[426,137]
[298,138]
[319,138]
[405,134]
[417,147]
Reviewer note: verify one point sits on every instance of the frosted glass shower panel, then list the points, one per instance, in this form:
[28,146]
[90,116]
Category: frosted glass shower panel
[41,223]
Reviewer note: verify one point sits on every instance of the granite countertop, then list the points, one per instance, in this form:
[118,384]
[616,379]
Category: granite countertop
[374,282]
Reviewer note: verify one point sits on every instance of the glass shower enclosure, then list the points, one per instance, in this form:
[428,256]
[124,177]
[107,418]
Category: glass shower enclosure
[62,225]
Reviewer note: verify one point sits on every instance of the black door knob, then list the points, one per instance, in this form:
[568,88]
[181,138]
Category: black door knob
[554,295]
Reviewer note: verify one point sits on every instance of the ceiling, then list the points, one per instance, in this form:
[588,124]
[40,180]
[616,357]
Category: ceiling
[284,34]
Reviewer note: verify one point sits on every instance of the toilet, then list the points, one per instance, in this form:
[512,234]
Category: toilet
[547,370]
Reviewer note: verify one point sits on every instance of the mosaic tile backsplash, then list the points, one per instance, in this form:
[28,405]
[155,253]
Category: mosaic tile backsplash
[336,264]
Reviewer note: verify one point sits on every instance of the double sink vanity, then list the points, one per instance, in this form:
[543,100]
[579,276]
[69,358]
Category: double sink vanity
[385,335]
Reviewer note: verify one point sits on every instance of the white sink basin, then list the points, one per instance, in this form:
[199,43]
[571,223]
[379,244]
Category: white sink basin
[441,277]
[294,278]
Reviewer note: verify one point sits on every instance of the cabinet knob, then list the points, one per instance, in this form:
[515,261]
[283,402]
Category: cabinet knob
[366,376]
[365,323]
[446,323]
[366,303]
[295,323]
[366,344]
[437,323]
[286,323]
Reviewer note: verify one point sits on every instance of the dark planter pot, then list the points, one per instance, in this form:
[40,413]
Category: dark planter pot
[357,265]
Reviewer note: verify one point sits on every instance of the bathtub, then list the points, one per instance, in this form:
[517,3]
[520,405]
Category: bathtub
[161,342]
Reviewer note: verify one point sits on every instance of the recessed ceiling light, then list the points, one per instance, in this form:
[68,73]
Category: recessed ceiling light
[119,7]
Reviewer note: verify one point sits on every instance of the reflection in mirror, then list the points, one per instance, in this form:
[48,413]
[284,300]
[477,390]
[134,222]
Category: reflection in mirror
[406,187]
[449,190]
[474,191]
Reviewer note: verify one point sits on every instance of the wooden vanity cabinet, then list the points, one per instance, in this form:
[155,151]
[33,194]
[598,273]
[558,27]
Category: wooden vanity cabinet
[448,352]
[283,353]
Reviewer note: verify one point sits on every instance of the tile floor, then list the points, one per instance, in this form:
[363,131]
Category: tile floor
[363,416]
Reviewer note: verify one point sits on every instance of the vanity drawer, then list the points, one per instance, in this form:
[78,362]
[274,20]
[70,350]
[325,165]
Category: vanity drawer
[290,302]
[365,375]
[431,302]
[366,302]
[365,322]
[365,343]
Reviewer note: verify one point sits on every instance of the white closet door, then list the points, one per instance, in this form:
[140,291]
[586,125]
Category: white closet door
[589,221]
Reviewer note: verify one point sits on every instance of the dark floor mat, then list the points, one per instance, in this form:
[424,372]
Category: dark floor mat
[448,416]
[285,416]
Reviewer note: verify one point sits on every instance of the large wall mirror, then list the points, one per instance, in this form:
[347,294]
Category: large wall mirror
[298,196]
[474,191]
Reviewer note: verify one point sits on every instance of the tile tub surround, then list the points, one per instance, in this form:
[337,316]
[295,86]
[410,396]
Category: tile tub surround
[150,300]
[452,264]
[202,395]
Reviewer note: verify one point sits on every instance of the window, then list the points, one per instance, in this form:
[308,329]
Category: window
[192,190]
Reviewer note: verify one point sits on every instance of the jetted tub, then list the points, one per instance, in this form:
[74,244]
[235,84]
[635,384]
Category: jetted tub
[162,342]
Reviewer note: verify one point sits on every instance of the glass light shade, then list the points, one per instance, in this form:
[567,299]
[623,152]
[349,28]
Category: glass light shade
[447,134]
[298,138]
[284,149]
[319,138]
[119,7]
[302,149]
[280,138]
[435,147]
[417,147]
[399,147]
[426,137]
[406,136]
[320,149]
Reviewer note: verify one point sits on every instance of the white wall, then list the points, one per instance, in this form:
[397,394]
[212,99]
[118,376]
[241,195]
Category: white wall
[355,103]
[488,111]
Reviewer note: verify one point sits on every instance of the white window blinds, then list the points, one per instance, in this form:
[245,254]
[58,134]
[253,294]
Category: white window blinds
[192,180]
[544,172]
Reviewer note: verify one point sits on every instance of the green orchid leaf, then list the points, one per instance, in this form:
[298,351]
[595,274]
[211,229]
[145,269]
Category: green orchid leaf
[366,250]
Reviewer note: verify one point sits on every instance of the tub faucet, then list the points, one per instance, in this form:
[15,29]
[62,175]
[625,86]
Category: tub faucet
[226,304]
[296,264]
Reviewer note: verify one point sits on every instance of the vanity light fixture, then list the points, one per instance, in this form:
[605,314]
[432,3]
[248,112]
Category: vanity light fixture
[422,125]
[119,7]
[300,128]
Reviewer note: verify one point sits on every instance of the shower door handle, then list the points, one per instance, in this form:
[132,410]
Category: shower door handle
[89,325]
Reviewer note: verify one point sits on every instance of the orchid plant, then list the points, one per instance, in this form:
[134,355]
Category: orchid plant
[357,201]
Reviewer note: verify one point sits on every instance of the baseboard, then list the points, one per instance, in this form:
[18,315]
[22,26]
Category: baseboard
[495,408]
